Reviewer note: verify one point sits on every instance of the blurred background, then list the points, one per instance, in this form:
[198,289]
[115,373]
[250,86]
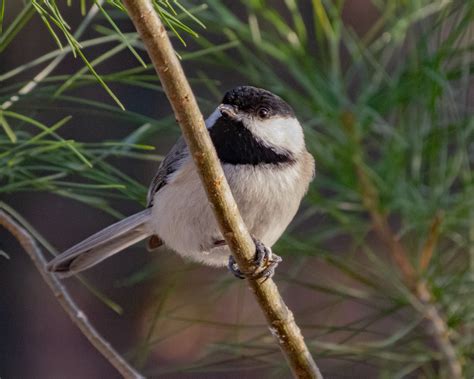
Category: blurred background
[384,91]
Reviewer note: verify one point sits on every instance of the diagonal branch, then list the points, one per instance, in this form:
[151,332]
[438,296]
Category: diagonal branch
[437,325]
[77,316]
[279,317]
[431,241]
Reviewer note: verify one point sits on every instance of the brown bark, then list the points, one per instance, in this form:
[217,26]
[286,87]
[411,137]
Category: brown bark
[77,316]
[280,319]
[436,323]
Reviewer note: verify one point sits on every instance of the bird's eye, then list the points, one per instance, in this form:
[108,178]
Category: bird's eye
[263,112]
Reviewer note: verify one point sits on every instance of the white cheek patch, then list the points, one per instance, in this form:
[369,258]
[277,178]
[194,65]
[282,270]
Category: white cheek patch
[211,120]
[280,133]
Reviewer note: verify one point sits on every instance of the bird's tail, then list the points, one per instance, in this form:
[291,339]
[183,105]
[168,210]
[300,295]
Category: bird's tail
[102,245]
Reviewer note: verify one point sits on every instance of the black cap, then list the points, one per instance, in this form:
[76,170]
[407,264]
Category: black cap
[250,99]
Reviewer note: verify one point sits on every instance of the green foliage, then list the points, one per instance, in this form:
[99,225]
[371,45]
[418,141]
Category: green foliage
[395,104]
[32,154]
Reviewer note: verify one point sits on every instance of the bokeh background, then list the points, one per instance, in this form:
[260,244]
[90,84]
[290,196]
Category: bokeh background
[384,91]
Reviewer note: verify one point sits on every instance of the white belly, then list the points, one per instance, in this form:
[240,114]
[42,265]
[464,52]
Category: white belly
[267,198]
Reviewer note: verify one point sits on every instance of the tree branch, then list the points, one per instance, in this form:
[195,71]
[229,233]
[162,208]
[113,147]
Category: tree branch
[437,325]
[77,316]
[430,244]
[280,318]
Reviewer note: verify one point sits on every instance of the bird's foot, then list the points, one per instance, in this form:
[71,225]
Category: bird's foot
[265,263]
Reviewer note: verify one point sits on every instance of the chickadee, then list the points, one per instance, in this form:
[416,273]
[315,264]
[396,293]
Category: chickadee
[261,147]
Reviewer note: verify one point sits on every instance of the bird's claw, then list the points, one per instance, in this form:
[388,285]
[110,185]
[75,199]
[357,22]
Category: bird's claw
[265,263]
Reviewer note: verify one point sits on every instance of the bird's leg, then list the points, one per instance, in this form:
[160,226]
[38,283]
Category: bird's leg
[265,263]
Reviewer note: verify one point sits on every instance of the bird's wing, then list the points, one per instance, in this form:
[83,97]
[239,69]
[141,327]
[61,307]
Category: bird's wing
[173,161]
[167,167]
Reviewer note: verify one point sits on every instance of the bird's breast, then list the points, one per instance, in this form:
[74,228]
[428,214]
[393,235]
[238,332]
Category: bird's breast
[267,197]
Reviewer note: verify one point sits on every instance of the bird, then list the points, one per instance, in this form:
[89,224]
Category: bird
[261,147]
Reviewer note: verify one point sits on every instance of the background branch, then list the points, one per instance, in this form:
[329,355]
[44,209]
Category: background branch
[190,119]
[437,325]
[77,316]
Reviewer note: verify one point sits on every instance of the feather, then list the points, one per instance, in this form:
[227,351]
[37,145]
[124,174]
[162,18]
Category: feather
[102,245]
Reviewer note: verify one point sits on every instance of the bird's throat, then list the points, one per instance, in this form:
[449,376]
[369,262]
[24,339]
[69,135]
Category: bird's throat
[235,144]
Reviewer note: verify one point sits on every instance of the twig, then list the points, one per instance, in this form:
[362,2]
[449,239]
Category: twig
[77,316]
[430,244]
[439,329]
[437,325]
[279,317]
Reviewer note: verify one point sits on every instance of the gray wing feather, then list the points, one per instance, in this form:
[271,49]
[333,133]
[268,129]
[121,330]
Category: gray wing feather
[102,245]
[167,167]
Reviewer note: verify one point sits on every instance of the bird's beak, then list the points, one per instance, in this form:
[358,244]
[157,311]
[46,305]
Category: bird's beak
[227,110]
